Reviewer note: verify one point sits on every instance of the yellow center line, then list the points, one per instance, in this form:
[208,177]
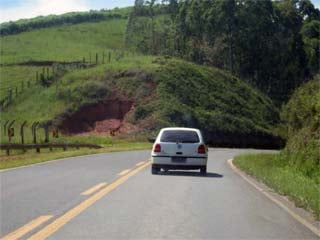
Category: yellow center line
[27,228]
[124,172]
[68,216]
[140,163]
[94,188]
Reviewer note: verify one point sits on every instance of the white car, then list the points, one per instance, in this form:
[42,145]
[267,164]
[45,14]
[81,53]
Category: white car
[179,148]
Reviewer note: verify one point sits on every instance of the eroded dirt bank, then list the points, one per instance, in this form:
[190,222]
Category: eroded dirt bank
[100,118]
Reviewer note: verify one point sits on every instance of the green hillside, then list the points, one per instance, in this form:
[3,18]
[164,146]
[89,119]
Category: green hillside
[24,54]
[165,92]
[157,91]
[63,43]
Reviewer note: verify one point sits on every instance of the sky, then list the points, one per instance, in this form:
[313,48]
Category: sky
[11,10]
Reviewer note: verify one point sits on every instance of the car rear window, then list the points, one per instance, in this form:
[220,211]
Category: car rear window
[181,136]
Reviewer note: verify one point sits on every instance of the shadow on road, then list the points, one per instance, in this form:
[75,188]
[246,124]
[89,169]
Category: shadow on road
[190,174]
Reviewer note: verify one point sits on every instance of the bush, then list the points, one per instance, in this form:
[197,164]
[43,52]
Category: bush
[88,92]
[300,124]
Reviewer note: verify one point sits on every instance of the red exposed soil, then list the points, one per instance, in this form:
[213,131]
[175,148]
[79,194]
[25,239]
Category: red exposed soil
[99,118]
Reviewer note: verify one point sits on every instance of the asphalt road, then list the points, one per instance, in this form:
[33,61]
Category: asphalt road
[48,200]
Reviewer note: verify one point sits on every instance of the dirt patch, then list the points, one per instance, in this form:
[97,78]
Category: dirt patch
[100,118]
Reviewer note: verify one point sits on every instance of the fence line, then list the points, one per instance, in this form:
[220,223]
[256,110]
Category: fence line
[45,79]
[64,146]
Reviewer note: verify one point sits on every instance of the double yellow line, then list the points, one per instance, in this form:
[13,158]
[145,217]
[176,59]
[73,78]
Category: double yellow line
[72,213]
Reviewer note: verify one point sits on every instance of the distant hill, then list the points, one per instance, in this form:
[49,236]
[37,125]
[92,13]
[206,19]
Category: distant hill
[23,25]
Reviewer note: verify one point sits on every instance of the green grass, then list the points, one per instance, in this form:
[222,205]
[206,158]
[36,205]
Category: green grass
[175,92]
[283,178]
[43,104]
[64,43]
[30,157]
[211,99]
[13,76]
[217,100]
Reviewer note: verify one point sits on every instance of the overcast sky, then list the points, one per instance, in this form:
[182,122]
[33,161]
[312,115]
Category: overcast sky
[11,10]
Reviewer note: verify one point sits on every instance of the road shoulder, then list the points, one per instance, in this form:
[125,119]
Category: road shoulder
[299,214]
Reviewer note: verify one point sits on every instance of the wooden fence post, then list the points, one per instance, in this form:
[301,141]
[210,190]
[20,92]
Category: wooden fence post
[34,132]
[46,133]
[5,128]
[10,134]
[48,73]
[22,131]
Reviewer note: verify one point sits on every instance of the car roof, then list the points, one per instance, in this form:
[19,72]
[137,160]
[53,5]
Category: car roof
[180,128]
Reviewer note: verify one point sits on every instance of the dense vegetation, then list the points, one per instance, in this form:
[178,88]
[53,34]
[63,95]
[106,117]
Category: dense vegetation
[273,45]
[301,126]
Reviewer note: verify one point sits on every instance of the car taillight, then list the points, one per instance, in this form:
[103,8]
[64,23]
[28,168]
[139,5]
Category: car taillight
[157,148]
[202,149]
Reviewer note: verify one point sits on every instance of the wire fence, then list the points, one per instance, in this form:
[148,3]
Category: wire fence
[52,74]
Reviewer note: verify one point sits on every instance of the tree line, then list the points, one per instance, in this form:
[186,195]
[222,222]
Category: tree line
[273,45]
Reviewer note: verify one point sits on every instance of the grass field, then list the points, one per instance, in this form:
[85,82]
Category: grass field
[17,76]
[283,178]
[46,103]
[30,157]
[64,43]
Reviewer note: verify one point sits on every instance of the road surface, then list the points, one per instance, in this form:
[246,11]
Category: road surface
[114,196]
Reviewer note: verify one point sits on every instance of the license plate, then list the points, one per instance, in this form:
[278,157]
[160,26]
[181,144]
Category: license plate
[178,159]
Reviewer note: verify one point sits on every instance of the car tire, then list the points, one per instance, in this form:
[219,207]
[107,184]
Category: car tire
[203,170]
[154,170]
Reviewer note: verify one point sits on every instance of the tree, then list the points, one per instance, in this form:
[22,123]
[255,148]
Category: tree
[150,5]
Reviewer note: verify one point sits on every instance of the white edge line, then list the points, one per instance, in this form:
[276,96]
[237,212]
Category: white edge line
[297,217]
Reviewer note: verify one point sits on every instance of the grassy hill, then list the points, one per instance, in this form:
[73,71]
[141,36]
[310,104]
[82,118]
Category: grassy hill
[24,54]
[63,43]
[157,91]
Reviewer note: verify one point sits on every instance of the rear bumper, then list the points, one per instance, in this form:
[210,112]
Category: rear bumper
[190,163]
[180,167]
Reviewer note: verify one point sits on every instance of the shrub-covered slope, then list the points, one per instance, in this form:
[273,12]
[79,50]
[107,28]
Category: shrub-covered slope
[301,126]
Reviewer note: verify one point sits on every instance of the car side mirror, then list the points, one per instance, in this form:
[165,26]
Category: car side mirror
[151,140]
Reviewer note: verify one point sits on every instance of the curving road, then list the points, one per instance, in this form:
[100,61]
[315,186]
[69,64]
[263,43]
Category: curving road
[114,196]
